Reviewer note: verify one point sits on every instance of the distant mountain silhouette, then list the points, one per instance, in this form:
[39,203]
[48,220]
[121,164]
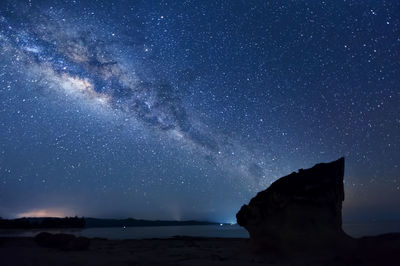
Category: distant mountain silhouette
[75,222]
[130,222]
[44,222]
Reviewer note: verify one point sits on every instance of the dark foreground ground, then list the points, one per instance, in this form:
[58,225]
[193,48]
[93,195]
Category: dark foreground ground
[383,250]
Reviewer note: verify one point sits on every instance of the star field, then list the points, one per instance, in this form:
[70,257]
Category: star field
[185,110]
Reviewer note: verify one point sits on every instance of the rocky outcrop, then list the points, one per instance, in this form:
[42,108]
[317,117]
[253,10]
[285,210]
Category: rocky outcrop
[301,210]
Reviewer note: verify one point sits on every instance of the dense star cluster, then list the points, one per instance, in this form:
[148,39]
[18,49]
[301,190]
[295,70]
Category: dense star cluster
[185,109]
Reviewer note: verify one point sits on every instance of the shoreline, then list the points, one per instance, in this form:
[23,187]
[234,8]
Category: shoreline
[353,229]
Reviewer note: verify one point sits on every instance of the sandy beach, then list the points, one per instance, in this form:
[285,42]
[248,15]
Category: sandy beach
[179,251]
[183,251]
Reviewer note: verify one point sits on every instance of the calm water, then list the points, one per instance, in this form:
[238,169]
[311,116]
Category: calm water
[355,230]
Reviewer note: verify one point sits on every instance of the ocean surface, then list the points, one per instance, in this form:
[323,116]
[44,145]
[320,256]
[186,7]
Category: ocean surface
[232,231]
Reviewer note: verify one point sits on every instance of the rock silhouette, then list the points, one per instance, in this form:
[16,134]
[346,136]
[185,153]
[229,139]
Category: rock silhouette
[300,210]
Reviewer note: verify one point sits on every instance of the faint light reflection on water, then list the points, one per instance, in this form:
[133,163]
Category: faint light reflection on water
[229,231]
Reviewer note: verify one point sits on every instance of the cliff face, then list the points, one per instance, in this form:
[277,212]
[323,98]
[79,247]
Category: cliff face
[298,210]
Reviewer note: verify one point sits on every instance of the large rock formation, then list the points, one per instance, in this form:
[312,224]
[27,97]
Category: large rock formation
[301,210]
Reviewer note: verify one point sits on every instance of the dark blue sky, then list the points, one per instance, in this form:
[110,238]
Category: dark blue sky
[186,109]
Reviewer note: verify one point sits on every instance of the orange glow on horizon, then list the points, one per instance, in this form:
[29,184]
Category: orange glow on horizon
[44,213]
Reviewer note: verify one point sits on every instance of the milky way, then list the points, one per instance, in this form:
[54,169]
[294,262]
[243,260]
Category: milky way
[166,110]
[77,64]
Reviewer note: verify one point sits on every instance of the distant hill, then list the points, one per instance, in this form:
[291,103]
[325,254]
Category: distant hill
[43,222]
[130,222]
[76,222]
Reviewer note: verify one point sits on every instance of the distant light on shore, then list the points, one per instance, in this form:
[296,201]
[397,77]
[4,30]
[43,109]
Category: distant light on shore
[44,213]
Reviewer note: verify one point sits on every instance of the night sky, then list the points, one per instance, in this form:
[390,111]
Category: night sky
[186,109]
